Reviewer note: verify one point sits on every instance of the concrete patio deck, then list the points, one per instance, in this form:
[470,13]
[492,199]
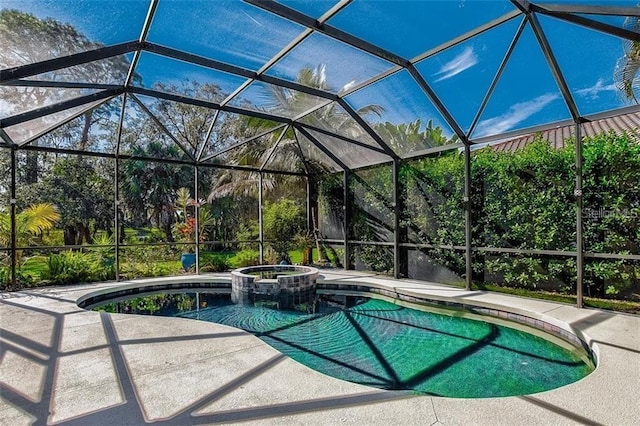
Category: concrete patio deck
[62,364]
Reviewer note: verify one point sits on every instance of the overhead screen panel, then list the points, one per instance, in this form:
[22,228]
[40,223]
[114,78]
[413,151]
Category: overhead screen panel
[70,26]
[143,137]
[526,94]
[252,153]
[18,99]
[333,118]
[629,23]
[187,123]
[275,100]
[284,156]
[353,156]
[229,31]
[230,131]
[315,8]
[315,158]
[402,114]
[597,86]
[182,78]
[416,26]
[95,130]
[112,70]
[25,132]
[462,74]
[324,63]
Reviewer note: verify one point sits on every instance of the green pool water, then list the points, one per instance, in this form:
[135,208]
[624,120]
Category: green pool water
[383,345]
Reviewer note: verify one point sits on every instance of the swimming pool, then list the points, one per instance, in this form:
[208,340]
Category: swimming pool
[384,345]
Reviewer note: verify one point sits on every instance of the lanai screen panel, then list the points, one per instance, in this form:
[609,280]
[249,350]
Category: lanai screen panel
[594,86]
[320,61]
[230,31]
[461,75]
[478,70]
[70,26]
[416,26]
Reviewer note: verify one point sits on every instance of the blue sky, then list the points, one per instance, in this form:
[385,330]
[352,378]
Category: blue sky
[240,34]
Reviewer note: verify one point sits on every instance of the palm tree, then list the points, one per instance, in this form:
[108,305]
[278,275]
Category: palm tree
[409,138]
[149,187]
[626,75]
[288,103]
[30,224]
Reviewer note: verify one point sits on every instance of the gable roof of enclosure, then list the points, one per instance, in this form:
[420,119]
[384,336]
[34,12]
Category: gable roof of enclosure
[336,84]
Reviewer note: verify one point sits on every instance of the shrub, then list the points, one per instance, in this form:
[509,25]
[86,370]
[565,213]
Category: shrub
[214,264]
[73,267]
[246,258]
[283,221]
[22,279]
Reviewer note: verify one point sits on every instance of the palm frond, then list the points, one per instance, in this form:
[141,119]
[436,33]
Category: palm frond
[38,217]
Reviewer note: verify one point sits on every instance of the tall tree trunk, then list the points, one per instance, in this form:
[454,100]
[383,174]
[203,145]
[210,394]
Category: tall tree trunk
[70,235]
[84,138]
[86,233]
[322,254]
[31,166]
[313,207]
[122,227]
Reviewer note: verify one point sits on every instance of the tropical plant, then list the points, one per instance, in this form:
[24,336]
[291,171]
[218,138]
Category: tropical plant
[71,267]
[246,257]
[287,154]
[30,224]
[149,187]
[214,262]
[410,137]
[185,227]
[83,192]
[283,221]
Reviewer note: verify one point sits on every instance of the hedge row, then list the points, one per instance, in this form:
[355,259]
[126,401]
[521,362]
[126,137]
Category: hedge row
[520,199]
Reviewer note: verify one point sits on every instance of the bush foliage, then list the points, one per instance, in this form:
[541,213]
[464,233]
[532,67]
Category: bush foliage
[520,199]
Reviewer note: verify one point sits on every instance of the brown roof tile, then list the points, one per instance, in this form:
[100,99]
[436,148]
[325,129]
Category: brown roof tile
[557,137]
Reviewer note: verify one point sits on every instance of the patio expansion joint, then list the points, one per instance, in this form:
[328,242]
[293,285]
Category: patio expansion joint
[552,309]
[435,413]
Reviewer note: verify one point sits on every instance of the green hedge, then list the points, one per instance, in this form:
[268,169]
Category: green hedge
[520,199]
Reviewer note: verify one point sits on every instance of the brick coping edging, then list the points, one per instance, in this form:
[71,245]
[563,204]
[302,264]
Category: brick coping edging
[304,271]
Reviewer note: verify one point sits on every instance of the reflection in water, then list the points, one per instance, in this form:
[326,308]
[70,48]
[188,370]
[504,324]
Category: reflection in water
[379,344]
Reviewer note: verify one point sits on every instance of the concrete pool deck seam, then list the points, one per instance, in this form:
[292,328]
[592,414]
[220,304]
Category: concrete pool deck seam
[607,396]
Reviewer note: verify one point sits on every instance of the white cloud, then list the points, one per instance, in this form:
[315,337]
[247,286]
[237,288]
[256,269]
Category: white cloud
[463,61]
[252,18]
[348,86]
[516,114]
[593,92]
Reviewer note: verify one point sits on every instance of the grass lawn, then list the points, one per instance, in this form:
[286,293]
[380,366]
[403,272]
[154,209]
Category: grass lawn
[626,306]
[34,266]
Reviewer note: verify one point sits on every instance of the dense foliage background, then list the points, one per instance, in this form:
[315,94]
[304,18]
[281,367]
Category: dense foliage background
[521,201]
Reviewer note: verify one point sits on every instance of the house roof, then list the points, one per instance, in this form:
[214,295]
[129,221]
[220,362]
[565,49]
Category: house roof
[558,136]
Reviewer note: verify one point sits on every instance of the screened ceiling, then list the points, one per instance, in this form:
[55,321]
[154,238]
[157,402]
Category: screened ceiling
[339,85]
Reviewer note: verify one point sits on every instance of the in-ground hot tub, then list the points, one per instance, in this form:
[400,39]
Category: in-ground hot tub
[285,285]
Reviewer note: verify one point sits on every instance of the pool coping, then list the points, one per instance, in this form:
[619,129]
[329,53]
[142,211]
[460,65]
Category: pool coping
[607,396]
